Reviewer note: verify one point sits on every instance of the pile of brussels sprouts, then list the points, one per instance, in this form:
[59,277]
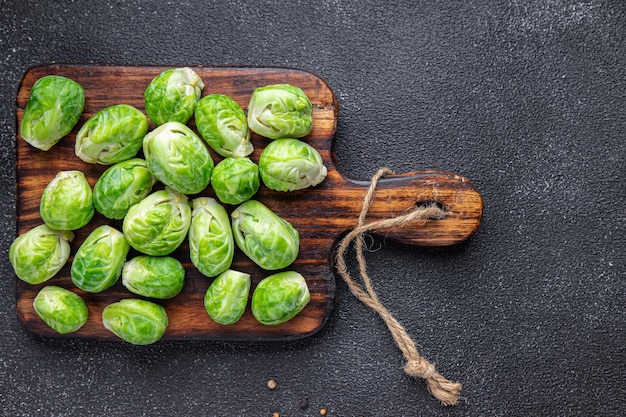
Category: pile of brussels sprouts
[155,223]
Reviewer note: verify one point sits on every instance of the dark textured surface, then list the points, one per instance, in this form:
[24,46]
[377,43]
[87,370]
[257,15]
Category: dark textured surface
[527,99]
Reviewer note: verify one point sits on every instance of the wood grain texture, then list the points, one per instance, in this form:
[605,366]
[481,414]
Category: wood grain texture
[321,215]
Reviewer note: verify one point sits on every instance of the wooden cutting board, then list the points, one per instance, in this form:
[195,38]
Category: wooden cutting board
[321,214]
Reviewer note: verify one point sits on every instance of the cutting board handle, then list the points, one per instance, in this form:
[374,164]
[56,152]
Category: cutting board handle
[399,194]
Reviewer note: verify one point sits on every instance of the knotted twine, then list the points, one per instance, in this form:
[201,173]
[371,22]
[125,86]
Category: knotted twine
[416,366]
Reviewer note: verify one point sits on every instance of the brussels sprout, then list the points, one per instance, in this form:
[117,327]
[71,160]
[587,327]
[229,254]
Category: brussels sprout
[267,239]
[178,158]
[139,322]
[62,310]
[226,298]
[38,254]
[290,164]
[172,95]
[235,180]
[112,135]
[67,201]
[154,276]
[121,186]
[279,297]
[280,111]
[54,106]
[222,123]
[158,224]
[211,242]
[98,262]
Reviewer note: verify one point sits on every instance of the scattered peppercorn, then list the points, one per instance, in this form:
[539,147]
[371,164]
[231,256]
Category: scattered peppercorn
[271,384]
[304,404]
[323,411]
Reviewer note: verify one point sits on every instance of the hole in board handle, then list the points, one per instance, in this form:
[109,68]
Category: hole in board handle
[434,204]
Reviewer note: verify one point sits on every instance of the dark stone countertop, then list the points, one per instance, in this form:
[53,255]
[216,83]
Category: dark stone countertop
[526,99]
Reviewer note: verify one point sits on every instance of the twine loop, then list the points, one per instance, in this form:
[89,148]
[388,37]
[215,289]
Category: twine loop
[416,366]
